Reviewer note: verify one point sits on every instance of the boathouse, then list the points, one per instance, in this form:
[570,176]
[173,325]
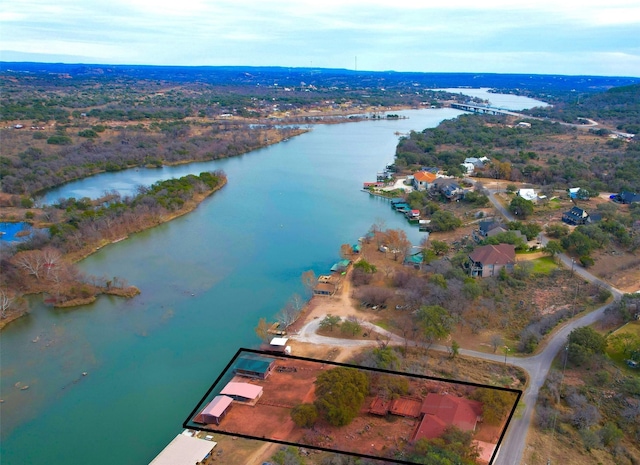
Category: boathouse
[242,392]
[254,367]
[278,345]
[216,410]
[327,289]
[184,450]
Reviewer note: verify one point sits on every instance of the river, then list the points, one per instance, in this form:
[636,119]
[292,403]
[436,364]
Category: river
[206,278]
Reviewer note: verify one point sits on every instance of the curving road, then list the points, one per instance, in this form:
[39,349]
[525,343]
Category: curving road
[537,366]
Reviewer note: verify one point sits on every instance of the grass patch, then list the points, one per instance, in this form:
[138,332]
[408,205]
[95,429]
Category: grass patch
[382,324]
[633,327]
[544,265]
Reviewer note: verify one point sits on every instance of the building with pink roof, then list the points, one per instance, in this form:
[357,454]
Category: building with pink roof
[215,410]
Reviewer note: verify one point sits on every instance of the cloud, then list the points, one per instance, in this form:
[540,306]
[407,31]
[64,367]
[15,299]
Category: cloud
[400,34]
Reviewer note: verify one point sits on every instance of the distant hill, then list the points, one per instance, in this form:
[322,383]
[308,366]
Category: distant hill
[243,75]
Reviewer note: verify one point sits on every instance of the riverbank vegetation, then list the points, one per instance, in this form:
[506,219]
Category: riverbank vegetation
[78,227]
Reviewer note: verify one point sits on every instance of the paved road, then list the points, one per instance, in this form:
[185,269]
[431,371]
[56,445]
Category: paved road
[537,366]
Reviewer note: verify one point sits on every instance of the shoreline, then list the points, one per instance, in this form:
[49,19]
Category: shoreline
[130,291]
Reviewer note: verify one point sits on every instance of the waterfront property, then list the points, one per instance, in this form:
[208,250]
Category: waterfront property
[423,180]
[184,449]
[253,367]
[242,392]
[326,289]
[278,345]
[340,266]
[215,410]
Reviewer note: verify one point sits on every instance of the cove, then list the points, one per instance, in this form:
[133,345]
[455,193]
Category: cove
[206,278]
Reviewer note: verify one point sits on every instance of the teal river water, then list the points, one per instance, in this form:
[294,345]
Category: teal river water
[206,278]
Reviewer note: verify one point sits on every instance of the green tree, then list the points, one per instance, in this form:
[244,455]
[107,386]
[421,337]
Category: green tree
[584,343]
[330,321]
[351,326]
[304,415]
[579,243]
[88,133]
[557,230]
[625,343]
[439,247]
[444,221]
[365,266]
[454,350]
[496,403]
[586,261]
[435,322]
[553,248]
[610,434]
[520,207]
[288,456]
[340,393]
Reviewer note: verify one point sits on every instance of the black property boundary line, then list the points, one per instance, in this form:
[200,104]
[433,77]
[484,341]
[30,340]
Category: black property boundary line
[187,424]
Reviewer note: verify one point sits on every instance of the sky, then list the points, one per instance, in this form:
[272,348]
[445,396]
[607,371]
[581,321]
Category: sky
[502,36]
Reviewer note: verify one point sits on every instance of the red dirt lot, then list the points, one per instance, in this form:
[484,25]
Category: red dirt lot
[369,434]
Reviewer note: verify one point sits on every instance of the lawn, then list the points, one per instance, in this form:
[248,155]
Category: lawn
[620,358]
[544,265]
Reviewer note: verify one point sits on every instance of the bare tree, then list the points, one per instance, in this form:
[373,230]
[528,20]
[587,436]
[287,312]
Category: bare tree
[31,261]
[290,312]
[376,229]
[6,299]
[496,341]
[51,259]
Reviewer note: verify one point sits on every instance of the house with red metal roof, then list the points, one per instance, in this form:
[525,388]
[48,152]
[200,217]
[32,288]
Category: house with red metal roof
[488,260]
[443,410]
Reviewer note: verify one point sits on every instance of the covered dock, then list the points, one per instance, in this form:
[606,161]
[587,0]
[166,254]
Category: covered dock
[254,367]
[184,450]
[215,410]
[242,392]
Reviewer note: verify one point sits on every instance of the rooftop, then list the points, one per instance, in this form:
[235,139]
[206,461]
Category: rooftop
[184,450]
[501,254]
[246,390]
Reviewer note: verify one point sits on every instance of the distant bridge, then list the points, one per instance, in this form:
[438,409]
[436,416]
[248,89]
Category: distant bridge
[483,109]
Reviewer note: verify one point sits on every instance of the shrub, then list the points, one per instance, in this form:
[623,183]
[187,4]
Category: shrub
[88,133]
[586,261]
[304,415]
[59,139]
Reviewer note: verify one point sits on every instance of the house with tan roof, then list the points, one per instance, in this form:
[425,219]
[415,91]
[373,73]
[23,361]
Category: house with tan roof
[488,260]
[423,180]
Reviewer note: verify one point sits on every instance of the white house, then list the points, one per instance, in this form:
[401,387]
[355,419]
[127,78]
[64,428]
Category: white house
[528,194]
